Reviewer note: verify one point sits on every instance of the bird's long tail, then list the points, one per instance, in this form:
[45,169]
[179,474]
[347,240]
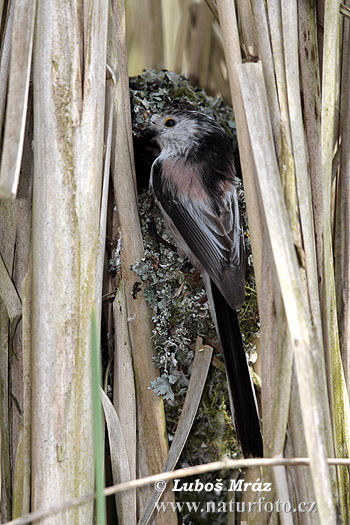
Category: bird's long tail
[242,396]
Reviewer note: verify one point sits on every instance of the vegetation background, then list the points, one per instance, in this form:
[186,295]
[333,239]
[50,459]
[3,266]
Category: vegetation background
[68,183]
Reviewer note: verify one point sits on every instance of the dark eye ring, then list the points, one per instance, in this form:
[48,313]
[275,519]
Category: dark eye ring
[169,122]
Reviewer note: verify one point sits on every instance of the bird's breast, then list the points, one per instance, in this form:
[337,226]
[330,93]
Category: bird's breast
[183,179]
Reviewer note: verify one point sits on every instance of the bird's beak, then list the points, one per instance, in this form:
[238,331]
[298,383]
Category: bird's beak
[148,133]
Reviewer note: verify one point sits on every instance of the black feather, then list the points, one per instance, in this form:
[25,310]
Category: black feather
[238,377]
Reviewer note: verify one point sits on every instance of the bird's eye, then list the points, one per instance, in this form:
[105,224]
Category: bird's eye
[169,122]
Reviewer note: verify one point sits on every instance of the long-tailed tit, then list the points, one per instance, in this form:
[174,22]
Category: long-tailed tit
[193,182]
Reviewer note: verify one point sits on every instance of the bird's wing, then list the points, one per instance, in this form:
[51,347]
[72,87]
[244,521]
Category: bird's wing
[215,240]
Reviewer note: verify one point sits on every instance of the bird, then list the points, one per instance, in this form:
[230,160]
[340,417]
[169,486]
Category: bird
[193,181]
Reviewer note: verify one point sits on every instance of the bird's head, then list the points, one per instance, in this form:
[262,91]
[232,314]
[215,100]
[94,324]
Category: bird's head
[179,132]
